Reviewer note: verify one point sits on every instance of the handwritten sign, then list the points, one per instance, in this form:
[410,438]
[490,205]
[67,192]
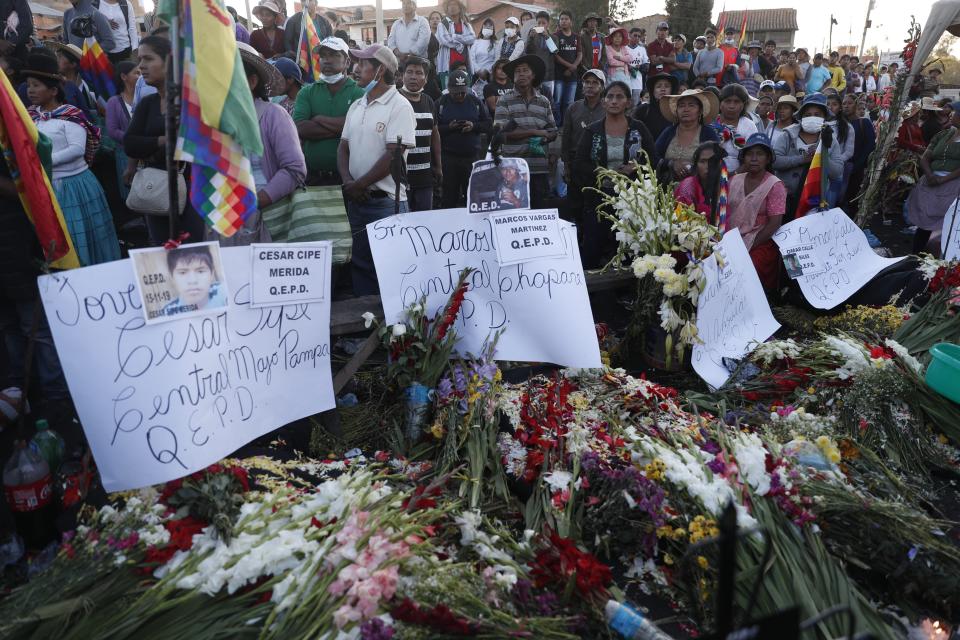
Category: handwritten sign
[732,311]
[158,402]
[289,272]
[542,306]
[496,187]
[950,234]
[523,236]
[843,251]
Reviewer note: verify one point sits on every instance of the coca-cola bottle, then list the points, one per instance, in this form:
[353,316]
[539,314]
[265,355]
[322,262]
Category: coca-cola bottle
[28,487]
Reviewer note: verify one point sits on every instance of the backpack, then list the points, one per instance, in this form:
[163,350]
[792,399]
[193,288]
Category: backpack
[124,9]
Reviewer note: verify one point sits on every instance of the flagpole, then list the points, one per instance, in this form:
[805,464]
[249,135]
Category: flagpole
[173,95]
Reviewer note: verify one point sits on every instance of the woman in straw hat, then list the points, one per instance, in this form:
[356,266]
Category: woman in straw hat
[757,203]
[281,168]
[268,39]
[784,116]
[691,113]
[75,141]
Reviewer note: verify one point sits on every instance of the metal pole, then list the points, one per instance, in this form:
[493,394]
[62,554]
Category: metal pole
[381,33]
[866,25]
[830,39]
[173,105]
[249,16]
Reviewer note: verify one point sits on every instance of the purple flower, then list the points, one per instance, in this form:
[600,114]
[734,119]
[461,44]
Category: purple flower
[459,379]
[445,388]
[716,465]
[711,447]
[376,629]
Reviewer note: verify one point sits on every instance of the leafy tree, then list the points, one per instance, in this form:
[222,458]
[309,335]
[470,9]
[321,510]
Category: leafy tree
[618,10]
[689,17]
[943,58]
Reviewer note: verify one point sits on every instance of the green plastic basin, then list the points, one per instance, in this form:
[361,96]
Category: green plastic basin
[943,374]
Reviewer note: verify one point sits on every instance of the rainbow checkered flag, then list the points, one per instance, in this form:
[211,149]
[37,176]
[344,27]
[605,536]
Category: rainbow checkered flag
[218,123]
[97,71]
[308,58]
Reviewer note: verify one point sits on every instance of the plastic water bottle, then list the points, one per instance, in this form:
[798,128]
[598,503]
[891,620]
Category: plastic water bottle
[630,623]
[28,488]
[49,445]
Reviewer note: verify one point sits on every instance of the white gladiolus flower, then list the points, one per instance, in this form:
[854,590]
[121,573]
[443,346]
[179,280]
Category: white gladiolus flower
[368,319]
[399,330]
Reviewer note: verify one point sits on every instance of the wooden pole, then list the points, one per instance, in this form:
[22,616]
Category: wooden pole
[173,104]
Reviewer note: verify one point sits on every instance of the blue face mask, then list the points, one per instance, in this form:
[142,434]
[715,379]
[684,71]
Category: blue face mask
[371,85]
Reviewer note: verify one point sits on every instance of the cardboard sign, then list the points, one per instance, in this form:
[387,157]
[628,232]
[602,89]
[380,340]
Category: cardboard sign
[158,402]
[288,273]
[950,234]
[841,248]
[185,282]
[523,236]
[498,188]
[801,260]
[541,306]
[732,312]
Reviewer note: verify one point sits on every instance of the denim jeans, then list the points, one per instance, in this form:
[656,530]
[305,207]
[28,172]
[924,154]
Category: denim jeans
[360,215]
[420,198]
[564,94]
[16,322]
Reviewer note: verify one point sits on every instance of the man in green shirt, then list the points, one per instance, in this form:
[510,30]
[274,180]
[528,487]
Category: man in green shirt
[321,110]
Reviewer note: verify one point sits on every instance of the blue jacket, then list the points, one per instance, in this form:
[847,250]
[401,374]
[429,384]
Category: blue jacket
[707,134]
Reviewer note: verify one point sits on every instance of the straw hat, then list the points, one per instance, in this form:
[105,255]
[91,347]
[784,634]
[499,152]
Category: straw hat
[708,101]
[927,104]
[71,50]
[910,109]
[272,79]
[789,100]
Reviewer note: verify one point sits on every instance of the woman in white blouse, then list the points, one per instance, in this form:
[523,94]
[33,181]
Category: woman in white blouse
[483,51]
[75,141]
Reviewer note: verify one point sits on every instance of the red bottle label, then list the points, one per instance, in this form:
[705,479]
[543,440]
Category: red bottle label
[30,497]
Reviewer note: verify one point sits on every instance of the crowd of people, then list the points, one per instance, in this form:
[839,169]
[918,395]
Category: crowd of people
[567,94]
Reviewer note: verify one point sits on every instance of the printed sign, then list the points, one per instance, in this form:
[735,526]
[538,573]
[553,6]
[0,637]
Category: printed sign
[289,272]
[841,248]
[801,260]
[541,306]
[497,188]
[158,402]
[732,312]
[522,236]
[180,283]
[950,234]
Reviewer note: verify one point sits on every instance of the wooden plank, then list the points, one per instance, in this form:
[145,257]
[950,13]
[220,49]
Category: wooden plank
[613,279]
[353,364]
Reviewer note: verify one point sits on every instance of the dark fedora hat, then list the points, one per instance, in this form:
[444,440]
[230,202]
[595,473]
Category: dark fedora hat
[674,83]
[43,66]
[534,62]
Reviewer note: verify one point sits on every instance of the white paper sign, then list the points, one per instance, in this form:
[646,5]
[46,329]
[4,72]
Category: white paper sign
[542,306]
[842,249]
[950,235]
[732,311]
[523,236]
[286,273]
[158,402]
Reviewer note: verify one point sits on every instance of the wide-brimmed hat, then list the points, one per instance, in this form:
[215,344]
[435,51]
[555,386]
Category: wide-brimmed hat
[534,62]
[269,5]
[790,101]
[910,109]
[71,50]
[927,104]
[624,34]
[271,79]
[757,140]
[674,83]
[41,65]
[708,101]
[590,16]
[815,99]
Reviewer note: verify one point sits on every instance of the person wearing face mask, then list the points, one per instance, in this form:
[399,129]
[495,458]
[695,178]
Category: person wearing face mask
[794,149]
[321,109]
[483,51]
[731,52]
[510,47]
[378,126]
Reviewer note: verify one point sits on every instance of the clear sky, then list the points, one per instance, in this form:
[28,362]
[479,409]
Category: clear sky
[890,17]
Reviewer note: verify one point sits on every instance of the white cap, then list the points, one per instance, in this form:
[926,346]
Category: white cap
[335,43]
[513,20]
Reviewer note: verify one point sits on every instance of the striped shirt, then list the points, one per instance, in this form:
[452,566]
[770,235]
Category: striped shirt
[419,173]
[536,114]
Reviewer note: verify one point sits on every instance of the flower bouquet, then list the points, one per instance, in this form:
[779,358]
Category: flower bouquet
[664,241]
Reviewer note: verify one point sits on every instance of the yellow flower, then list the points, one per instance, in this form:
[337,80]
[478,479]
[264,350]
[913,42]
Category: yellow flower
[679,533]
[665,531]
[703,562]
[667,559]
[655,470]
[437,430]
[811,390]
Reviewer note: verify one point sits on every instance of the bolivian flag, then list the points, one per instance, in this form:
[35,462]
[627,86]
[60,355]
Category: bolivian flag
[814,186]
[218,123]
[19,139]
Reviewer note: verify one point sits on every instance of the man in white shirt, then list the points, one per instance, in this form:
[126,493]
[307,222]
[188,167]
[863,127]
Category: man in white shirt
[365,158]
[409,35]
[886,77]
[638,63]
[123,26]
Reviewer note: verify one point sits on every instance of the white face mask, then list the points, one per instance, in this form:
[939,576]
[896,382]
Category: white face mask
[412,92]
[729,40]
[509,32]
[811,124]
[486,32]
[539,29]
[334,79]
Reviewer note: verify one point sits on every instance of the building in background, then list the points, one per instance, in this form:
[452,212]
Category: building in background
[649,24]
[779,25]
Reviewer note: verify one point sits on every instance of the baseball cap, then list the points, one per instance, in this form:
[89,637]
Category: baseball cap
[700,39]
[680,36]
[333,42]
[663,25]
[288,69]
[596,73]
[378,52]
[767,83]
[458,78]
[513,20]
